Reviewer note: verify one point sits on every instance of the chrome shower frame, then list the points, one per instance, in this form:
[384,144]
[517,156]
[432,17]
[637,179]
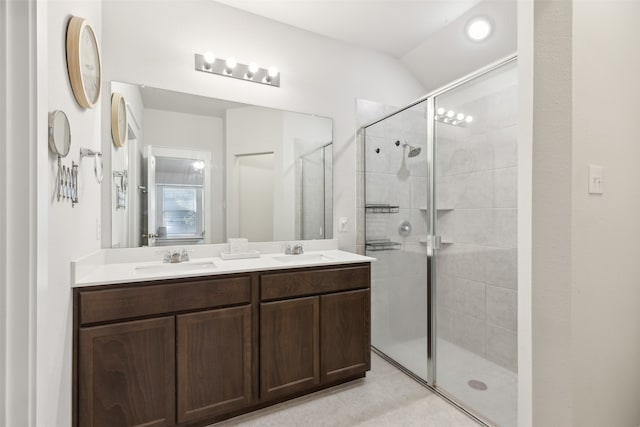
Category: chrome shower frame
[433,239]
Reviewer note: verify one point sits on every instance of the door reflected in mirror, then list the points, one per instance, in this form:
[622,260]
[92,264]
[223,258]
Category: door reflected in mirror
[202,170]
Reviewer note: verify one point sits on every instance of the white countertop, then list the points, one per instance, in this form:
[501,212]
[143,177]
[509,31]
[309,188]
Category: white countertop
[88,272]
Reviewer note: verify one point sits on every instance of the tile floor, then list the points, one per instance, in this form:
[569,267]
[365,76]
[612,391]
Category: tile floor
[386,397]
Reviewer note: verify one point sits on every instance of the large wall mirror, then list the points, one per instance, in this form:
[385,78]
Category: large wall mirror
[197,170]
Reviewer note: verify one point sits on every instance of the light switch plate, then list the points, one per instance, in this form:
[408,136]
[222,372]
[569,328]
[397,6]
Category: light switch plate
[344,224]
[596,179]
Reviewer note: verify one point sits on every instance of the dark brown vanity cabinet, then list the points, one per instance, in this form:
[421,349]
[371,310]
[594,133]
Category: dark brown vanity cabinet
[126,374]
[195,351]
[161,353]
[213,362]
[344,334]
[317,332]
[289,346]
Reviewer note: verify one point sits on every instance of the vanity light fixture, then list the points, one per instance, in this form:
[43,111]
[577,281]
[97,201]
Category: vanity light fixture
[479,28]
[450,117]
[209,63]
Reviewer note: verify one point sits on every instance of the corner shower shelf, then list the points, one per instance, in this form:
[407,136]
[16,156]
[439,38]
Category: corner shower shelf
[381,208]
[382,245]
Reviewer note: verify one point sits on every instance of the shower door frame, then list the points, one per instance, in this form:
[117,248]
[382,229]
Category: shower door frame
[433,240]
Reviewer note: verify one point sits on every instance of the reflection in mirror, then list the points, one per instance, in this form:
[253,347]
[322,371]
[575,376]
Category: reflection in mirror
[202,170]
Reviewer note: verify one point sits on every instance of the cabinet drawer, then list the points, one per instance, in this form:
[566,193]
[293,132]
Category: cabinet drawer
[313,282]
[145,300]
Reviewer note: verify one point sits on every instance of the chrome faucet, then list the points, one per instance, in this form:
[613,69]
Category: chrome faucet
[296,250]
[176,256]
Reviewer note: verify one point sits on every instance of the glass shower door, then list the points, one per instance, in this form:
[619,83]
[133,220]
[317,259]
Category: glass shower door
[396,218]
[475,216]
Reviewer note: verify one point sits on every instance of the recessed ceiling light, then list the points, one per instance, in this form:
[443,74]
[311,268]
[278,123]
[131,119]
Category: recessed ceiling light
[479,29]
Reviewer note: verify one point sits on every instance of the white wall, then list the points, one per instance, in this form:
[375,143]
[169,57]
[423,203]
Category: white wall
[551,216]
[72,231]
[525,20]
[160,54]
[199,133]
[605,291]
[253,130]
[255,197]
[586,322]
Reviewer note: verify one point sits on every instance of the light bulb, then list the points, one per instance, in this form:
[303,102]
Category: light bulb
[460,116]
[469,119]
[231,63]
[273,72]
[440,111]
[479,29]
[209,59]
[251,70]
[450,113]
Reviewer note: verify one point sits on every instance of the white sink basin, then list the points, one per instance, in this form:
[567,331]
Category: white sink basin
[302,258]
[177,267]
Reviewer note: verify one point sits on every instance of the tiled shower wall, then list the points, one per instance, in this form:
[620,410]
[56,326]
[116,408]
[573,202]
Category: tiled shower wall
[476,178]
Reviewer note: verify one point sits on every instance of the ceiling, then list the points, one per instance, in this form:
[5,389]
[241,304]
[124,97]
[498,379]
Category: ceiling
[394,27]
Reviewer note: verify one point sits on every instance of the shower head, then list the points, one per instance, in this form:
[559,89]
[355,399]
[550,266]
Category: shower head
[413,151]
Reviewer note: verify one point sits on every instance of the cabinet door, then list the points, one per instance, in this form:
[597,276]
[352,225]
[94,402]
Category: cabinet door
[345,334]
[214,362]
[127,374]
[289,346]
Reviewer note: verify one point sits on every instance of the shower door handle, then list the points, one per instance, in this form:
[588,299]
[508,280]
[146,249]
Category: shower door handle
[434,242]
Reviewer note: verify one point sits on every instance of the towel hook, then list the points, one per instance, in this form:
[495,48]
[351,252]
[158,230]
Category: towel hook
[87,152]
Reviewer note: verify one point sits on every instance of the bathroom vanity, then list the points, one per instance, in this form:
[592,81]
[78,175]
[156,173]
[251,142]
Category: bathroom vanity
[163,351]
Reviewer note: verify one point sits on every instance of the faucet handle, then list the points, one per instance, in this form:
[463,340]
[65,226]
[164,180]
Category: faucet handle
[287,250]
[166,257]
[184,256]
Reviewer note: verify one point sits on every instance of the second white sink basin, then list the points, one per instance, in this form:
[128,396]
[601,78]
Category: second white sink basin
[177,267]
[302,258]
